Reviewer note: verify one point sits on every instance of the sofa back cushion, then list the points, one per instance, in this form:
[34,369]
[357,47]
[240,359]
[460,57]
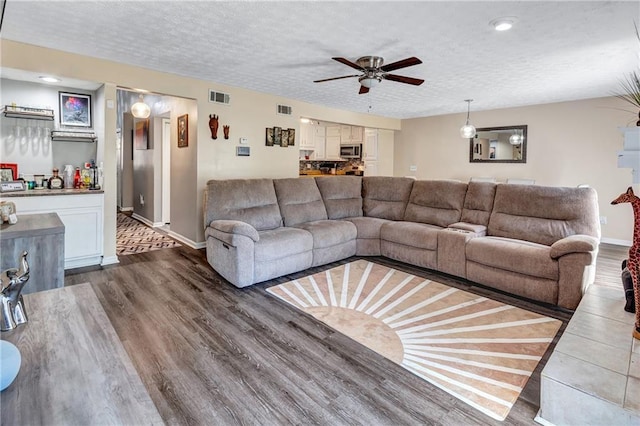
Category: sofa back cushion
[342,195]
[248,200]
[300,200]
[542,214]
[436,202]
[478,203]
[385,197]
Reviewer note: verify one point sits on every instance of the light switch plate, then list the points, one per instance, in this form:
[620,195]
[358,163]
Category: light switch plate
[244,140]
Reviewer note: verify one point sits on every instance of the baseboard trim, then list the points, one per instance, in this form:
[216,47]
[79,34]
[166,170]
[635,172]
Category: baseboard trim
[125,209]
[542,421]
[616,242]
[186,241]
[146,221]
[109,260]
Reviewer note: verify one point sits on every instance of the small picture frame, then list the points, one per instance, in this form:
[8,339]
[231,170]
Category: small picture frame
[243,151]
[75,109]
[141,134]
[292,137]
[183,131]
[9,171]
[277,135]
[268,138]
[284,138]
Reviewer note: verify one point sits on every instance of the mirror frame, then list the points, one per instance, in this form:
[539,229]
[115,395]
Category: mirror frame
[522,127]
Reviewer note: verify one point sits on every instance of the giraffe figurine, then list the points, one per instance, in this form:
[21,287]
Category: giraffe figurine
[633,263]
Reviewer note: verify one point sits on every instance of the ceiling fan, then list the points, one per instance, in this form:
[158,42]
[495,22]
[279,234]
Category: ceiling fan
[373,72]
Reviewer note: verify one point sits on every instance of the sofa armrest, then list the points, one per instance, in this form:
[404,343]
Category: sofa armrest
[235,227]
[479,230]
[573,244]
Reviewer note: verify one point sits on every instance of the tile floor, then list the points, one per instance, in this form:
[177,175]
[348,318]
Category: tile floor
[593,375]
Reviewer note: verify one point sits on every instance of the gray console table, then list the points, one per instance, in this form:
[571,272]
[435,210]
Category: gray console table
[42,235]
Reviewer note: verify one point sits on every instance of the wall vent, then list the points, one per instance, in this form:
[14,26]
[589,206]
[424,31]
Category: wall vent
[219,97]
[284,110]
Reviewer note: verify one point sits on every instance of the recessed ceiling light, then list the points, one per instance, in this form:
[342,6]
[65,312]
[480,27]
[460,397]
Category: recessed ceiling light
[305,120]
[503,24]
[140,90]
[49,79]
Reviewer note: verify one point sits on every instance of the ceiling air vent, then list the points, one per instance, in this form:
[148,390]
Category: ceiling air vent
[284,109]
[219,97]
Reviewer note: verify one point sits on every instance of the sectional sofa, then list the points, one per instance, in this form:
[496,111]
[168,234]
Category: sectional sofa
[533,241]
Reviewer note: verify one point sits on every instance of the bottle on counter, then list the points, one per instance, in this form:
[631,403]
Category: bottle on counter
[55,181]
[68,176]
[76,179]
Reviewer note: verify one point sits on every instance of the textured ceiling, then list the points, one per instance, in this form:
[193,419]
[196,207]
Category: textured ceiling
[557,51]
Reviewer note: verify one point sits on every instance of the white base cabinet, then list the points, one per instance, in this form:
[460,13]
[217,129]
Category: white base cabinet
[82,216]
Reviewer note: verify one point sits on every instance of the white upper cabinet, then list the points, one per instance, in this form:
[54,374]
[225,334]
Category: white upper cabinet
[370,146]
[350,134]
[333,131]
[306,136]
[332,148]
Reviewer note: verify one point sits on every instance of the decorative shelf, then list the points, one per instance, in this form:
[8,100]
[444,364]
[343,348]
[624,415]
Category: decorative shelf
[14,111]
[73,136]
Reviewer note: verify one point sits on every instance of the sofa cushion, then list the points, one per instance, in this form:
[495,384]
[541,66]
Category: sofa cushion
[327,233]
[385,197]
[368,227]
[300,200]
[478,202]
[513,255]
[248,200]
[543,214]
[280,243]
[420,235]
[342,195]
[436,202]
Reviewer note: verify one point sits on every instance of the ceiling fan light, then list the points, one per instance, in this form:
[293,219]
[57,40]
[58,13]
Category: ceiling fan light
[503,24]
[369,82]
[140,109]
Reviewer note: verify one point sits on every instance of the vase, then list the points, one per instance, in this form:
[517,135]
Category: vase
[10,361]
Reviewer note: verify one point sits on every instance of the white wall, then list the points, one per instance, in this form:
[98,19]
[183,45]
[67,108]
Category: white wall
[569,143]
[28,146]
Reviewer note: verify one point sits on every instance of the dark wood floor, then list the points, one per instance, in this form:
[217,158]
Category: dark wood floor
[209,353]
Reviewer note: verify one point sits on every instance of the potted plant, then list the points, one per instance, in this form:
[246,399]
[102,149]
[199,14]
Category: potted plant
[630,86]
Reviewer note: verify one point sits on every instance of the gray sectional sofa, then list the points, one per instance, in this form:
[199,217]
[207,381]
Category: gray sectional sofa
[532,241]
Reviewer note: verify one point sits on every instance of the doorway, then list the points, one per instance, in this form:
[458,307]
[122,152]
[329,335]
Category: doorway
[166,171]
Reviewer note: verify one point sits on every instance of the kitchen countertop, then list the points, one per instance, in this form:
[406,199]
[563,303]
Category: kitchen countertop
[45,192]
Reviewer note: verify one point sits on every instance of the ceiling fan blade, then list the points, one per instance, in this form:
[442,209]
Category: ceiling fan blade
[348,63]
[401,64]
[336,78]
[403,79]
[363,90]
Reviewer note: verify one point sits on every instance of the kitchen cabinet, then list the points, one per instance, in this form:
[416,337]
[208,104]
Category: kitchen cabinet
[82,216]
[370,146]
[306,136]
[350,134]
[332,148]
[333,131]
[319,143]
[371,168]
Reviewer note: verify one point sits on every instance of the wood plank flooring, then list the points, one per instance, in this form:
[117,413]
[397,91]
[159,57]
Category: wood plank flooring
[209,353]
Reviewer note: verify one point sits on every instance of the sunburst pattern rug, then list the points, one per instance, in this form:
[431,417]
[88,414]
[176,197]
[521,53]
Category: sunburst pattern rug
[133,237]
[479,350]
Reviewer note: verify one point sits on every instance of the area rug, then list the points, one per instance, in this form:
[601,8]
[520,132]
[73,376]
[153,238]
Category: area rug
[133,237]
[477,349]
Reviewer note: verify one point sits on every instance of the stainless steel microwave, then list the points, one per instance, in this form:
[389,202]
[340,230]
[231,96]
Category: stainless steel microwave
[351,151]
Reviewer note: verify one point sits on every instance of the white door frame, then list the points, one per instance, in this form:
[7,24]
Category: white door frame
[166,170]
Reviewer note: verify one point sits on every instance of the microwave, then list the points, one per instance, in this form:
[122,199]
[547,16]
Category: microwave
[351,151]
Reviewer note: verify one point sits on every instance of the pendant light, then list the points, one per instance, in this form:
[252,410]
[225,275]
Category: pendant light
[516,138]
[468,131]
[140,109]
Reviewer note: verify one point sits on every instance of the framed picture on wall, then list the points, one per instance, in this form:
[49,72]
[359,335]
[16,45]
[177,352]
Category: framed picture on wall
[183,131]
[268,138]
[277,135]
[292,137]
[75,109]
[141,134]
[284,138]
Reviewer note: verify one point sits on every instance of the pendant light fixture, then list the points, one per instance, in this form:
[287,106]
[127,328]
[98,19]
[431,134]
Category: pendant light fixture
[516,138]
[468,131]
[140,109]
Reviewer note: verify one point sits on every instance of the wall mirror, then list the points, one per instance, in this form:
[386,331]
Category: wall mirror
[506,144]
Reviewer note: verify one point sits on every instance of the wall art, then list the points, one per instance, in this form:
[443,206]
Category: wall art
[277,135]
[284,138]
[141,134]
[75,109]
[268,138]
[183,131]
